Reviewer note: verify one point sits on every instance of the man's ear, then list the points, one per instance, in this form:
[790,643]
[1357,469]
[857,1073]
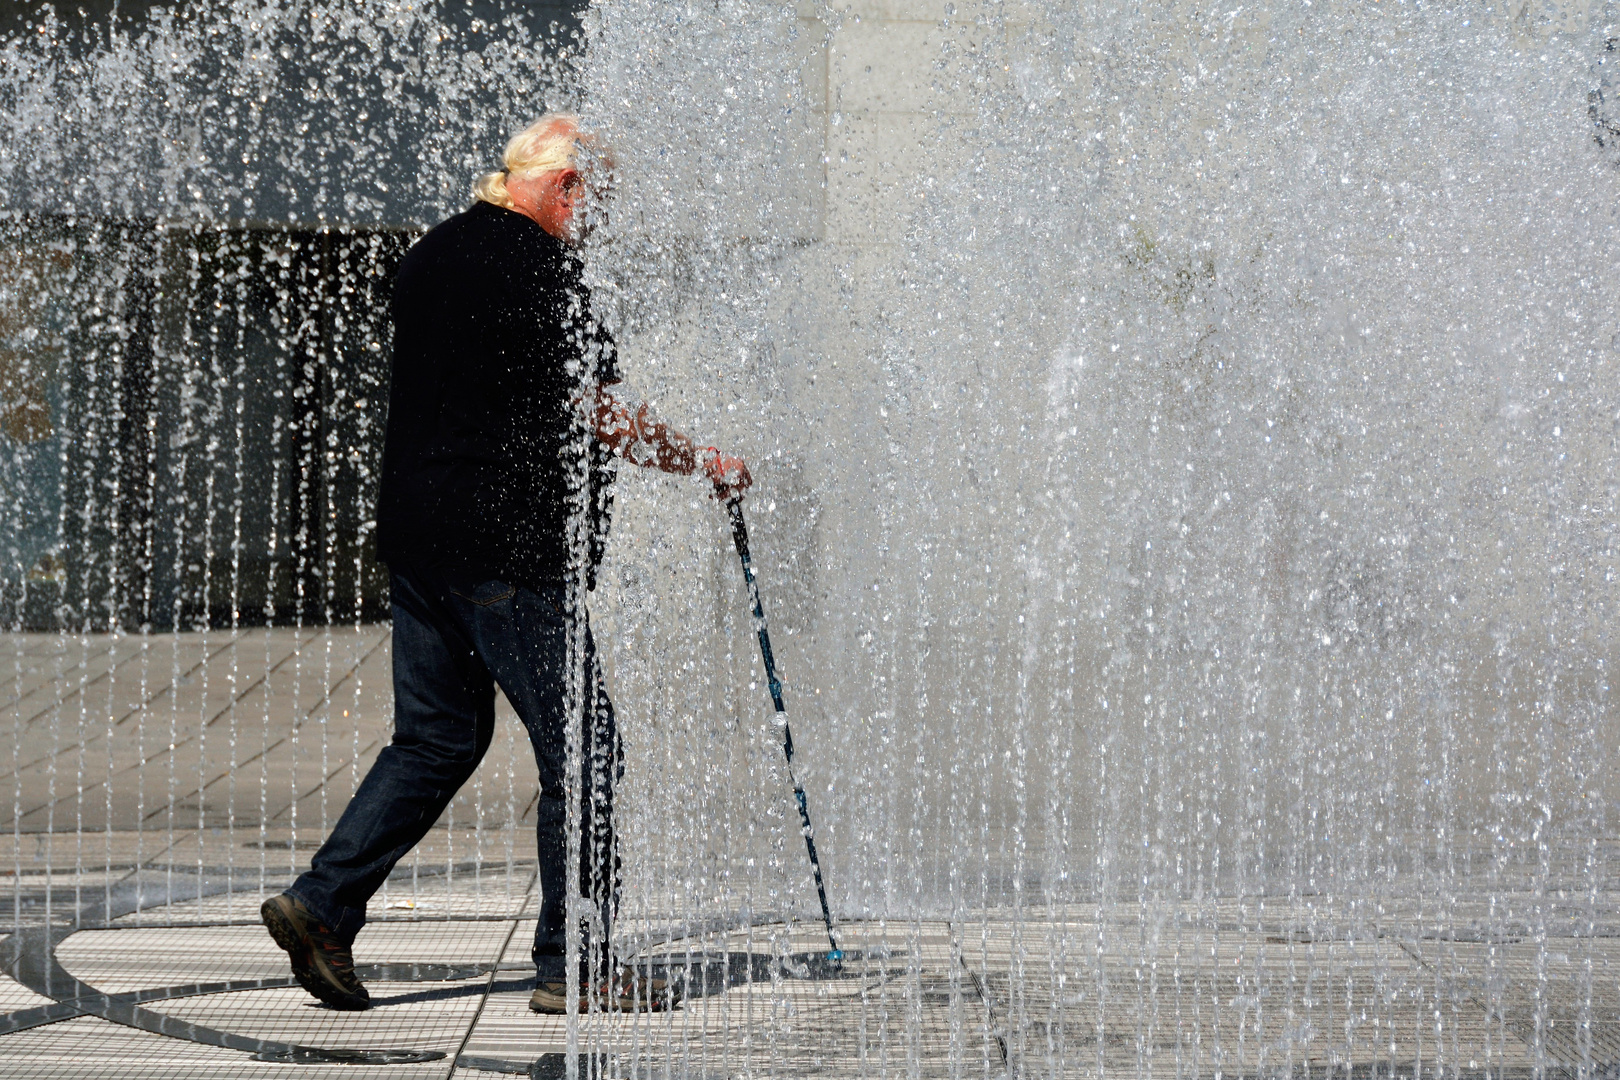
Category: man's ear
[567,180]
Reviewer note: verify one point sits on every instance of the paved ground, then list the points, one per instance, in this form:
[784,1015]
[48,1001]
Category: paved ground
[157,788]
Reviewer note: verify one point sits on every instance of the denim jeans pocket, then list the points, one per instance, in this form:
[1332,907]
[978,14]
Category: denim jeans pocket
[485,594]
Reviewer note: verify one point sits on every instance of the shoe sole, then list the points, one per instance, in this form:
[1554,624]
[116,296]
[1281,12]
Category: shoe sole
[284,933]
[623,1005]
[291,940]
[548,1009]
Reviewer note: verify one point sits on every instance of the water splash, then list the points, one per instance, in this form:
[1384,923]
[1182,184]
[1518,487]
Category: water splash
[1186,487]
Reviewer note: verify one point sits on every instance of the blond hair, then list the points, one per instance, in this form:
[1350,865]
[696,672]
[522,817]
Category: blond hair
[547,145]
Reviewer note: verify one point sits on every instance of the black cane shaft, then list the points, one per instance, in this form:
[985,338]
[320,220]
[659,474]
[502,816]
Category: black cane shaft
[739,536]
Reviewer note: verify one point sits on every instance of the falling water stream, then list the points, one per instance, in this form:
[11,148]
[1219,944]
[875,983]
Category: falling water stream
[1186,503]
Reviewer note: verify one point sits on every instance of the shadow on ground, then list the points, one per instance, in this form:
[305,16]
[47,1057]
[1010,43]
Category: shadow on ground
[702,975]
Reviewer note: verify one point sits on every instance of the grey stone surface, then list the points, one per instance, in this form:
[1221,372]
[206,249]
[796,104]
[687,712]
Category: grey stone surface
[147,820]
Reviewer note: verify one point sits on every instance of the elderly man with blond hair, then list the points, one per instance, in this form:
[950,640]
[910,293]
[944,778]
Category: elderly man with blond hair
[492,518]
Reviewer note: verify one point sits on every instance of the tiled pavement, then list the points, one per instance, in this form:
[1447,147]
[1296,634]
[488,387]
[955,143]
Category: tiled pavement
[159,787]
[920,998]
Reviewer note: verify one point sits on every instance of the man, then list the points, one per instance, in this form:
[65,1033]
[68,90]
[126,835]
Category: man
[492,512]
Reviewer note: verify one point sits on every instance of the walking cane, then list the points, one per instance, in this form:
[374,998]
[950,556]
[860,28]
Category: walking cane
[739,535]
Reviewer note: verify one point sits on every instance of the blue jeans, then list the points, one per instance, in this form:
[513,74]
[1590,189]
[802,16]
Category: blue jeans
[454,639]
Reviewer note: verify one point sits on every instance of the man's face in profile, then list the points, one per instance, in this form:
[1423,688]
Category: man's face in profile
[588,195]
[567,203]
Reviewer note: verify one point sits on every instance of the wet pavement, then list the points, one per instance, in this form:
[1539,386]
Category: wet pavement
[158,791]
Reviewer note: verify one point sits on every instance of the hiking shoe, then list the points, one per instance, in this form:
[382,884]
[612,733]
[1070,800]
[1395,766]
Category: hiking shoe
[625,994]
[321,962]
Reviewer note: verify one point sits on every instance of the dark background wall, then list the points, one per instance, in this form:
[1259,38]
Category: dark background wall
[199,444]
[193,371]
[337,111]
